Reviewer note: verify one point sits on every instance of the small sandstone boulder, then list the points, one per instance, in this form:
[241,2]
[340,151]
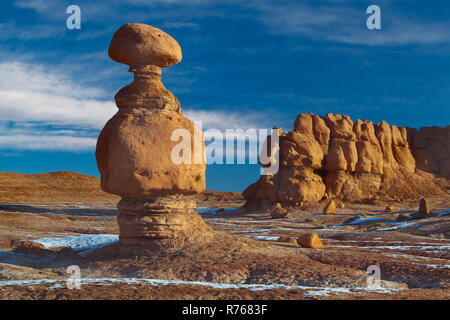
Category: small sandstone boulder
[330,208]
[287,239]
[310,240]
[278,212]
[389,209]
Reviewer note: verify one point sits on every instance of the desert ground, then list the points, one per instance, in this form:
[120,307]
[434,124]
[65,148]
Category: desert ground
[51,221]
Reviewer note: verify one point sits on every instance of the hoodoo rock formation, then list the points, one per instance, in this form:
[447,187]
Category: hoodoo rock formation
[333,157]
[134,149]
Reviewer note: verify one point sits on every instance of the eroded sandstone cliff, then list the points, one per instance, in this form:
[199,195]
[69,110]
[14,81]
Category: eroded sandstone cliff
[334,157]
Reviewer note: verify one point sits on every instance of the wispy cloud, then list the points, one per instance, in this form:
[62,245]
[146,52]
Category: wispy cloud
[51,8]
[37,5]
[32,93]
[222,120]
[179,25]
[42,109]
[10,30]
[46,142]
[345,23]
[321,20]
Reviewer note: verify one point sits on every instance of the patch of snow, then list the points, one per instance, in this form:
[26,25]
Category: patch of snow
[411,247]
[438,266]
[252,221]
[418,258]
[267,238]
[357,221]
[311,291]
[84,243]
[213,211]
[223,223]
[442,213]
[256,231]
[401,226]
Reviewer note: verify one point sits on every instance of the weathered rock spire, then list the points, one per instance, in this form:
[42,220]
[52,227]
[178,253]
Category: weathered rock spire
[134,149]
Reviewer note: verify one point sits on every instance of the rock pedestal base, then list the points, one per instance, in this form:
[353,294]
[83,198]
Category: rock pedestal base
[162,222]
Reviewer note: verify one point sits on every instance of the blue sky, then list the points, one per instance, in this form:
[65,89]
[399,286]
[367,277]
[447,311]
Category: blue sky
[246,64]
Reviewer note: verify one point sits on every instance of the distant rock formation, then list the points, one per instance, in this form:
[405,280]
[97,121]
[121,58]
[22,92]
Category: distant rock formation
[334,157]
[134,149]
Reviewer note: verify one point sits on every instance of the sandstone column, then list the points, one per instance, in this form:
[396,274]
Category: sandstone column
[134,149]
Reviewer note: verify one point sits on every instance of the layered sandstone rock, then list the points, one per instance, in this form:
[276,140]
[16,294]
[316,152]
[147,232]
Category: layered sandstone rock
[277,212]
[169,221]
[334,157]
[135,150]
[330,208]
[310,240]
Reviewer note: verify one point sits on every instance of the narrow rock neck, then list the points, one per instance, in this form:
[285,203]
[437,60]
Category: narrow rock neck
[145,72]
[146,91]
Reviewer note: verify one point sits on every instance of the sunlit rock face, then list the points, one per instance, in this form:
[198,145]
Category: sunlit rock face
[135,150]
[334,157]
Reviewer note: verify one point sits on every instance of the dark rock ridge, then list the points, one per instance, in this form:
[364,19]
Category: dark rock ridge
[334,157]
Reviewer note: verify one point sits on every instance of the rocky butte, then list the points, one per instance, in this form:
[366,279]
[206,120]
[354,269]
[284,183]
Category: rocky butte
[333,157]
[135,146]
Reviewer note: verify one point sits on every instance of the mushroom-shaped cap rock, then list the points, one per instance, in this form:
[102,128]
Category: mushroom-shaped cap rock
[138,43]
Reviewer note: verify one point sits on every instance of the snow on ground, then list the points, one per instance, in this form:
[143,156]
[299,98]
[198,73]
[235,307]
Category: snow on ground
[83,244]
[402,226]
[312,291]
[398,225]
[443,213]
[267,238]
[357,221]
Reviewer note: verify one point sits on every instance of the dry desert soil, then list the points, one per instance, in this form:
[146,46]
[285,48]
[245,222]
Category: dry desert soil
[67,220]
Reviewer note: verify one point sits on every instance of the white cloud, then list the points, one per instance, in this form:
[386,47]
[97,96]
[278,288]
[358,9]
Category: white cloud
[342,22]
[31,141]
[38,5]
[179,25]
[42,109]
[246,125]
[31,93]
[35,100]
[346,24]
[222,120]
[10,30]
